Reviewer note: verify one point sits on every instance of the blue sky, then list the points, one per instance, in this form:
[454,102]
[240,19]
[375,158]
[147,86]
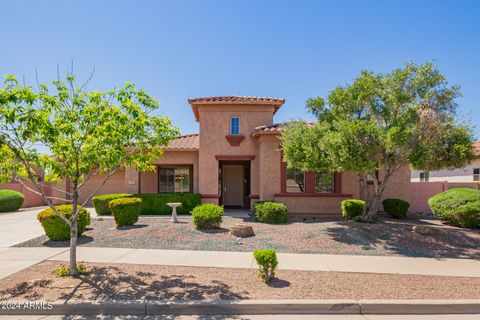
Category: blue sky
[290,49]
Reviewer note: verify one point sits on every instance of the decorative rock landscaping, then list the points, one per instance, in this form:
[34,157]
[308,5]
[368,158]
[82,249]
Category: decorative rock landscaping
[300,235]
[242,230]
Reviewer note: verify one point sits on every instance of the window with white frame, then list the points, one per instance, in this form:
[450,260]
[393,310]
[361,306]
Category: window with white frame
[424,176]
[234,126]
[476,174]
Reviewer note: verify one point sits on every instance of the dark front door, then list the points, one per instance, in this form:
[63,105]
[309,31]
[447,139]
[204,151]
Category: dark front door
[232,185]
[234,182]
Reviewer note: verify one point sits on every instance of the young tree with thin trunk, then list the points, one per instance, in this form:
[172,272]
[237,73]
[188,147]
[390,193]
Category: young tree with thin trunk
[380,123]
[86,134]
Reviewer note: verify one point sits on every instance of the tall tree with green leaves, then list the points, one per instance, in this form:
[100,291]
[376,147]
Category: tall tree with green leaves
[85,133]
[379,123]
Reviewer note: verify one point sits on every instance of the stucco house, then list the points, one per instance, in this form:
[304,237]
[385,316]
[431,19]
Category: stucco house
[235,160]
[469,173]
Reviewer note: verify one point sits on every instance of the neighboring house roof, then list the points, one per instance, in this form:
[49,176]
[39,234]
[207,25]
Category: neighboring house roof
[476,148]
[275,128]
[219,100]
[189,142]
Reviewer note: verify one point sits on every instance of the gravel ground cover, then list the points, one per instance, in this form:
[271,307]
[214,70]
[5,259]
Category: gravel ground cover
[301,235]
[138,282]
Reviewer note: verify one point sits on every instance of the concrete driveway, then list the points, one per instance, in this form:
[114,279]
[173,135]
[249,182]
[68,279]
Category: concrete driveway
[19,226]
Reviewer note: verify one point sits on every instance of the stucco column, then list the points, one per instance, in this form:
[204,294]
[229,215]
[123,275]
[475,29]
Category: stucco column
[269,167]
[132,180]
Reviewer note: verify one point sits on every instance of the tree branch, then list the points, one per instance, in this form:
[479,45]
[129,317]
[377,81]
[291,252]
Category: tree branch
[99,187]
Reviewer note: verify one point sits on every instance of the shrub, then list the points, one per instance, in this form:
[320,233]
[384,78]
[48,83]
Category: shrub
[352,208]
[10,200]
[151,203]
[157,203]
[396,208]
[459,207]
[207,216]
[64,271]
[55,228]
[125,210]
[271,212]
[267,263]
[101,202]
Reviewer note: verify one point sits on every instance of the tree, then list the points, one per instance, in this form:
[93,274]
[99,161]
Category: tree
[379,123]
[86,134]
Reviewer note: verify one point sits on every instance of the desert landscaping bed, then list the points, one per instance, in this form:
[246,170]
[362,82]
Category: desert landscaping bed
[150,282]
[301,235]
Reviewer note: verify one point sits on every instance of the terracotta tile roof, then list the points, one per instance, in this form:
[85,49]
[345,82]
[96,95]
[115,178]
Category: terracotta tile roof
[275,128]
[476,148]
[189,142]
[219,100]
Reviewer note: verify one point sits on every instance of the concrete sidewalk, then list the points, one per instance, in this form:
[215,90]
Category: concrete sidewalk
[16,259]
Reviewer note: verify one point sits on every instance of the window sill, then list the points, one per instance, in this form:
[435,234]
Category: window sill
[234,140]
[314,195]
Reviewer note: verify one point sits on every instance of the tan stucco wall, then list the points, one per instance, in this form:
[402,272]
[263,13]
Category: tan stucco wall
[312,205]
[269,167]
[214,126]
[149,182]
[399,185]
[115,184]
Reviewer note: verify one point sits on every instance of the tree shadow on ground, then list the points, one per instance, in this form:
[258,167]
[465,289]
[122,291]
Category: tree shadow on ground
[135,226]
[65,244]
[398,237]
[111,283]
[213,231]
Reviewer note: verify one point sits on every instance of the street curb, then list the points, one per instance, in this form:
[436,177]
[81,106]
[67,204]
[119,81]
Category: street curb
[239,307]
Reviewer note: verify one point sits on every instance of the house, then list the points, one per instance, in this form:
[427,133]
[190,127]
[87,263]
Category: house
[236,159]
[469,173]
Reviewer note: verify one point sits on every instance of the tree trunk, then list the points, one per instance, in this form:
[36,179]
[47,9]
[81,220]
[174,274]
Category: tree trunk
[74,231]
[73,247]
[373,205]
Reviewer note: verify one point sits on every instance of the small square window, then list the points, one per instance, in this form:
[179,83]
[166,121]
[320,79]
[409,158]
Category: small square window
[234,126]
[424,176]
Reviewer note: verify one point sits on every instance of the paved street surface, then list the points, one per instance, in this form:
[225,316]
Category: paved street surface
[260,317]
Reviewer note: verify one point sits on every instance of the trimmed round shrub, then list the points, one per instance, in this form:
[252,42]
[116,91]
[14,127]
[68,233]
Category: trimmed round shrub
[55,228]
[267,263]
[125,211]
[11,200]
[459,207]
[101,202]
[207,216]
[352,208]
[271,212]
[396,208]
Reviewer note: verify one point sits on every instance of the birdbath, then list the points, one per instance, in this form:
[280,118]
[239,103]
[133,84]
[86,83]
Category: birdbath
[174,206]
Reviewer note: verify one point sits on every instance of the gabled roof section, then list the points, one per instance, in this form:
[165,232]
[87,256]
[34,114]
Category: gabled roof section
[275,128]
[222,100]
[189,142]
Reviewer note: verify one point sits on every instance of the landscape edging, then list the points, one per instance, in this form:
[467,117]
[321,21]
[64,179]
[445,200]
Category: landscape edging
[252,307]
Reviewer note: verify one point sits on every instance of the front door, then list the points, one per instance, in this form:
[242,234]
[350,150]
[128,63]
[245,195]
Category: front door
[232,181]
